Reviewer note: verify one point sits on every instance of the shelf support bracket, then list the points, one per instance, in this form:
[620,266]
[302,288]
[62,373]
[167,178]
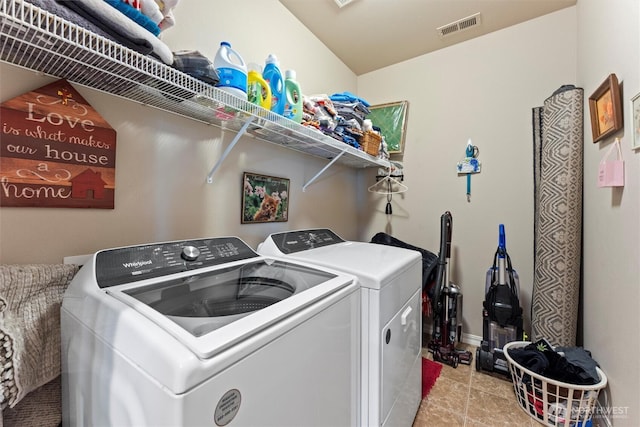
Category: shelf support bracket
[335,159]
[236,138]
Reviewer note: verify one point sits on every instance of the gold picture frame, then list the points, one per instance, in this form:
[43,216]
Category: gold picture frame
[391,118]
[635,117]
[605,106]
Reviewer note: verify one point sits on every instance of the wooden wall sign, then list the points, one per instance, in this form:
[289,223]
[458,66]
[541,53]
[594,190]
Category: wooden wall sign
[56,151]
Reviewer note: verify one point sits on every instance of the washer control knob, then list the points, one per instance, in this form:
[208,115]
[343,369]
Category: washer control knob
[190,253]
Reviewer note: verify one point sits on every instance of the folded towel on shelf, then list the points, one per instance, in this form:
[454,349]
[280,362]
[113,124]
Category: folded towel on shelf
[30,300]
[352,110]
[67,14]
[159,11]
[135,15]
[348,97]
[59,8]
[112,21]
[166,7]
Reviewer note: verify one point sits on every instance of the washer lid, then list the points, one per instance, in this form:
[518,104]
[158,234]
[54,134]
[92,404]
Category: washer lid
[213,309]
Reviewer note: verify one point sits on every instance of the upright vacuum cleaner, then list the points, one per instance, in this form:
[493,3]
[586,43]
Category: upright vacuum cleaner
[446,303]
[501,314]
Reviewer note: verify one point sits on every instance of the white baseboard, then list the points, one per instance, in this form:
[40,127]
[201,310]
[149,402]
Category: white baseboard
[470,339]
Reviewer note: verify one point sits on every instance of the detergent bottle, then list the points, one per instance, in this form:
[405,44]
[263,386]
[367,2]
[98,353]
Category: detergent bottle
[232,71]
[273,76]
[292,97]
[258,90]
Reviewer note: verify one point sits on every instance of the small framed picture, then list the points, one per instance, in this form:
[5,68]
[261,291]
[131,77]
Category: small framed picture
[264,199]
[605,106]
[635,115]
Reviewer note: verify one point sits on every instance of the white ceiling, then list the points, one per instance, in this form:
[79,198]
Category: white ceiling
[371,34]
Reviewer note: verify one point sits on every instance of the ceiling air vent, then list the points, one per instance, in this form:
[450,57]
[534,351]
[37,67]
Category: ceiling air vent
[459,25]
[343,3]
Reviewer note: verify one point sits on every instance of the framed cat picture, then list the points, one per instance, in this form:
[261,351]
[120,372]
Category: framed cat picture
[264,198]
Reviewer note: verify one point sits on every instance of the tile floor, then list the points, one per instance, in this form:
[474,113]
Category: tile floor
[464,397]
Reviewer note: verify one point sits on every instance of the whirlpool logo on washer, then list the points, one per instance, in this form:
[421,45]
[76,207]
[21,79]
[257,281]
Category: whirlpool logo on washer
[136,264]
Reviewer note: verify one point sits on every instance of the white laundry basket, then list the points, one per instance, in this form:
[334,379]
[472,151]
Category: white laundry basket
[550,402]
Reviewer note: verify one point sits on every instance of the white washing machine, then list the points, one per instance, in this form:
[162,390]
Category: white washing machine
[391,283]
[208,333]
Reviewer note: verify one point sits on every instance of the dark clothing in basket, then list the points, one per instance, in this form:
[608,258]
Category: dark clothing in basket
[579,357]
[575,368]
[531,358]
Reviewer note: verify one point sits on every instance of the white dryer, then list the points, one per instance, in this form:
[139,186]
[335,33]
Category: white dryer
[391,283]
[208,333]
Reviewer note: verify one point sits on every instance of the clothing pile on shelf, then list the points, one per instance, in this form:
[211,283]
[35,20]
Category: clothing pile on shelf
[351,107]
[135,24]
[341,116]
[318,112]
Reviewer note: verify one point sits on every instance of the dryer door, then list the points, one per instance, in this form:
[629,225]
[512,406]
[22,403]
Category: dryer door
[401,364]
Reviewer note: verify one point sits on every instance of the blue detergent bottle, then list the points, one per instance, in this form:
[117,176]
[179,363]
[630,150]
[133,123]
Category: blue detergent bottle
[273,76]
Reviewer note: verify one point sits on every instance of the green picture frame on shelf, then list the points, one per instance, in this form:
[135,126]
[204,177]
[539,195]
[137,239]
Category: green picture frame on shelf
[391,118]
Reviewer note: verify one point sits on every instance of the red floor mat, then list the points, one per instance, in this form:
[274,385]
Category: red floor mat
[430,373]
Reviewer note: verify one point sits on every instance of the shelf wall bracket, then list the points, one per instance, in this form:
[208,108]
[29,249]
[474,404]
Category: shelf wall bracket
[241,132]
[335,159]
